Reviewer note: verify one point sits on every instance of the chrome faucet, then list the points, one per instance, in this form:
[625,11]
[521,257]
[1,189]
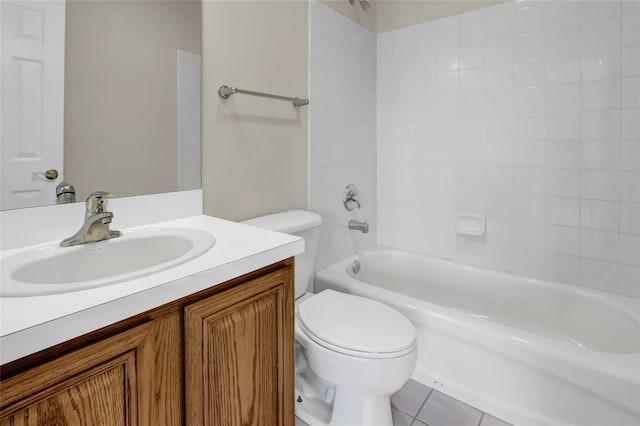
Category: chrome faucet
[359,226]
[96,222]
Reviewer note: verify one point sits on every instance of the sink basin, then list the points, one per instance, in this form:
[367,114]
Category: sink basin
[52,269]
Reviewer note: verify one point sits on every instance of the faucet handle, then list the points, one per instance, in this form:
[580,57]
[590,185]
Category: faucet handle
[97,202]
[349,197]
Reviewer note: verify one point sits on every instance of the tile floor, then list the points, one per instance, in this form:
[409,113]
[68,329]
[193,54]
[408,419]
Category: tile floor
[418,405]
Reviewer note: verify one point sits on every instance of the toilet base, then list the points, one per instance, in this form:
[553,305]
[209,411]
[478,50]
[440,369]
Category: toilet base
[349,409]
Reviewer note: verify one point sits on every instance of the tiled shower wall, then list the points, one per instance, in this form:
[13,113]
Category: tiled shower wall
[527,113]
[342,128]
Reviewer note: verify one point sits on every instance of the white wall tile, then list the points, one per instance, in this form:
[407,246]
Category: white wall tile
[600,185]
[561,267]
[600,155]
[599,35]
[530,126]
[563,97]
[631,92]
[531,73]
[500,50]
[600,9]
[563,154]
[628,280]
[630,249]
[563,125]
[566,69]
[599,65]
[630,218]
[526,112]
[631,61]
[601,94]
[531,47]
[630,124]
[530,17]
[343,122]
[562,239]
[500,21]
[563,13]
[601,125]
[630,155]
[562,211]
[630,187]
[530,99]
[598,274]
[602,215]
[564,40]
[563,183]
[530,154]
[601,245]
[630,29]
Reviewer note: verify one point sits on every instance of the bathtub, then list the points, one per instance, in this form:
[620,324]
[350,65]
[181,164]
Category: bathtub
[527,351]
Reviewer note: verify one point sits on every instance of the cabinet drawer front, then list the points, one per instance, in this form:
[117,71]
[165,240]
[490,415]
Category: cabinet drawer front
[239,351]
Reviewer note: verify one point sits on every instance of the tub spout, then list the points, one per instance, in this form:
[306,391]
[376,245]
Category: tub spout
[359,226]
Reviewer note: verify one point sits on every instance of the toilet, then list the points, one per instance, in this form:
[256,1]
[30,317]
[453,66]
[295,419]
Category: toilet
[352,353]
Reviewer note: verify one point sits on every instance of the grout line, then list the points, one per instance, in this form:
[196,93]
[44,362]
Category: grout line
[421,405]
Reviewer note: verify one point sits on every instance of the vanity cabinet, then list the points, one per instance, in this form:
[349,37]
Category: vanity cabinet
[223,356]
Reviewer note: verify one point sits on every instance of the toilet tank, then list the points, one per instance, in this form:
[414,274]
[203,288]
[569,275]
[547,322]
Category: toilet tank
[304,224]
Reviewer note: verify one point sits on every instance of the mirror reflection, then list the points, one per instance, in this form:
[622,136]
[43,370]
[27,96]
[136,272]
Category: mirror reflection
[105,93]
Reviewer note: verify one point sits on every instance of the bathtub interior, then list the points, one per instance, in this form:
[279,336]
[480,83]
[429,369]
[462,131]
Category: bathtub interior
[574,317]
[595,382]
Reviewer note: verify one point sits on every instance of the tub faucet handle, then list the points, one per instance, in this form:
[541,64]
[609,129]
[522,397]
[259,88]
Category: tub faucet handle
[349,197]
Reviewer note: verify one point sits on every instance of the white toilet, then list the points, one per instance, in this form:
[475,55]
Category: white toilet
[352,353]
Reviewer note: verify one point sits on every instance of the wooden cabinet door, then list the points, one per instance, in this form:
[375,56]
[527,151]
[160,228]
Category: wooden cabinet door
[113,382]
[239,355]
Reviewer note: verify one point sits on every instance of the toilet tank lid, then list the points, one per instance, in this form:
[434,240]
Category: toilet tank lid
[288,222]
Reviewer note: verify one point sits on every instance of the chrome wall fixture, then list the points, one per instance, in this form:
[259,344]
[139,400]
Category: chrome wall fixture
[224,92]
[364,4]
[349,197]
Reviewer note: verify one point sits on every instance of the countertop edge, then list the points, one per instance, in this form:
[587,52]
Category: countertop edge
[33,339]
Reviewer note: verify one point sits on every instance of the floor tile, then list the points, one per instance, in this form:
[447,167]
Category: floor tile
[400,418]
[410,398]
[442,410]
[488,420]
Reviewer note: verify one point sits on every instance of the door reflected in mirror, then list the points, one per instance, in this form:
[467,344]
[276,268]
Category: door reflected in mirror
[107,93]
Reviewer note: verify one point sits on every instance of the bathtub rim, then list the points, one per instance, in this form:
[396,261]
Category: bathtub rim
[623,366]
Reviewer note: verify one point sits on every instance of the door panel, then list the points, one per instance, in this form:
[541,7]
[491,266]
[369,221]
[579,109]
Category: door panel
[32,101]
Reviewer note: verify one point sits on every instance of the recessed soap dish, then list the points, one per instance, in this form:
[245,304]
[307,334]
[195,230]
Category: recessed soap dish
[471,224]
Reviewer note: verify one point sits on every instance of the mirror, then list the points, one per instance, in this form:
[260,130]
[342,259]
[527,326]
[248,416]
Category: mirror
[105,92]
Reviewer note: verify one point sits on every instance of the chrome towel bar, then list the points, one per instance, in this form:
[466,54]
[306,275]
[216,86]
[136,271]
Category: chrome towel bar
[225,91]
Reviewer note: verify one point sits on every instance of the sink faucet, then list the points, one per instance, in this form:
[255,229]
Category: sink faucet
[96,222]
[359,226]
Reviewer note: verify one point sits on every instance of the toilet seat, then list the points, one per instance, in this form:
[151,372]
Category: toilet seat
[355,325]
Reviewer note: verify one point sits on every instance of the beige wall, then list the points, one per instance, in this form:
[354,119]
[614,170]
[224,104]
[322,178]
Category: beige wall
[254,150]
[387,15]
[120,93]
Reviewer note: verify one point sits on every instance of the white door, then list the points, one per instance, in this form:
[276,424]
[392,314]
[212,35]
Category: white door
[32,92]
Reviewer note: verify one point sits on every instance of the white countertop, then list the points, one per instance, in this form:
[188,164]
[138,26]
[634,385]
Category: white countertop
[30,324]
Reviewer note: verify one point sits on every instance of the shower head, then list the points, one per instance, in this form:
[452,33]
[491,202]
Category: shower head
[364,4]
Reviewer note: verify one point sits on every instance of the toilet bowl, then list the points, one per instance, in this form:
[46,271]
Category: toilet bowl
[352,353]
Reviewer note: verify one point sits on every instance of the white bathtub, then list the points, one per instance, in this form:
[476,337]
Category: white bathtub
[527,351]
